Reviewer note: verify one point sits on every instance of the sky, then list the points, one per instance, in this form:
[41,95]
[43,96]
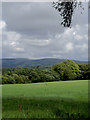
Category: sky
[32,30]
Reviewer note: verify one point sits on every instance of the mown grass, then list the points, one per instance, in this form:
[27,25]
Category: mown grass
[46,100]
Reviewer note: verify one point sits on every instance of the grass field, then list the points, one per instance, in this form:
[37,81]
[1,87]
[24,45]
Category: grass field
[46,100]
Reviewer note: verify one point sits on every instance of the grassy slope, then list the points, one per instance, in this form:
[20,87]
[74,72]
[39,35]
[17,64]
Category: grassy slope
[45,99]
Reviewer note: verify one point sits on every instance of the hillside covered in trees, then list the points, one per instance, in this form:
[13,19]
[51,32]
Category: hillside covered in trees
[66,70]
[24,62]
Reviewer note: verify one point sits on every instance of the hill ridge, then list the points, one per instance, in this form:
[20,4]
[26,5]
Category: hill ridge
[25,62]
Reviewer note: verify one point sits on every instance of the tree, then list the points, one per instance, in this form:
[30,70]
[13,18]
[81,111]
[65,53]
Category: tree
[68,70]
[85,71]
[66,9]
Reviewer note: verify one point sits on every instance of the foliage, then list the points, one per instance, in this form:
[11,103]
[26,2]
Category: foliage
[66,9]
[66,70]
[46,75]
[14,79]
[85,71]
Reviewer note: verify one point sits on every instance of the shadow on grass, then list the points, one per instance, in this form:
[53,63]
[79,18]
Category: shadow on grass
[44,108]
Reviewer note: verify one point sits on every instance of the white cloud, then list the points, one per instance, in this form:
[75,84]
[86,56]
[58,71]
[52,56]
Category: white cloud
[13,44]
[72,43]
[13,36]
[77,27]
[74,33]
[10,38]
[10,41]
[85,46]
[78,37]
[64,45]
[86,36]
[69,46]
[2,24]
[82,46]
[37,42]
[20,49]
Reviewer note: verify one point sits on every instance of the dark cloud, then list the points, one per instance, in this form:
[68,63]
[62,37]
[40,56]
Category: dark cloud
[31,18]
[33,30]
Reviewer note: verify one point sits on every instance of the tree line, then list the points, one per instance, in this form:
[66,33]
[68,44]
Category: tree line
[66,70]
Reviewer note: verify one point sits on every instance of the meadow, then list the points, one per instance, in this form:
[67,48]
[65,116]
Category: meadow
[63,99]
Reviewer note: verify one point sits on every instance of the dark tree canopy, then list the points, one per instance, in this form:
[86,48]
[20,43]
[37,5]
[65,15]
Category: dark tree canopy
[66,9]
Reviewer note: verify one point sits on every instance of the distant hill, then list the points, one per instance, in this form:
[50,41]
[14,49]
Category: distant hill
[22,62]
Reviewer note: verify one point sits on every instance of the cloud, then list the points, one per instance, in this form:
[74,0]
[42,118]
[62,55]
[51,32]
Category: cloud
[20,49]
[10,41]
[2,25]
[72,46]
[82,47]
[69,46]
[78,37]
[35,32]
[10,38]
[32,18]
[64,45]
[37,42]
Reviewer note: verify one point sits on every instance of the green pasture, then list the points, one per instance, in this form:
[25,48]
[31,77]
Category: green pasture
[46,100]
